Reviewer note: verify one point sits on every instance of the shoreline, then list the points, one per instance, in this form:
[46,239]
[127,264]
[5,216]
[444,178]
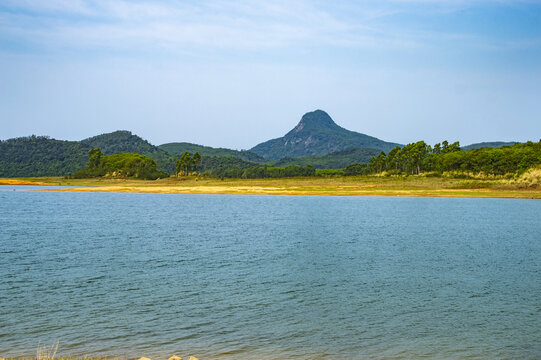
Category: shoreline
[362,186]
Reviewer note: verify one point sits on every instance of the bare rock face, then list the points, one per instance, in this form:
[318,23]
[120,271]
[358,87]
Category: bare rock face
[192,358]
[174,357]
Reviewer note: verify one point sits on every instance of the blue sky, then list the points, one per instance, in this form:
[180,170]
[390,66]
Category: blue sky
[235,73]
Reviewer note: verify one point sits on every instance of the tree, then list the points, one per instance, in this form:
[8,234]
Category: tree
[94,158]
[391,162]
[309,170]
[196,161]
[419,152]
[356,169]
[406,159]
[454,147]
[380,161]
[184,164]
[178,167]
[377,164]
[444,147]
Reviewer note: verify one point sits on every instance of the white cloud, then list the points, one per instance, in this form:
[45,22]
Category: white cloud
[244,25]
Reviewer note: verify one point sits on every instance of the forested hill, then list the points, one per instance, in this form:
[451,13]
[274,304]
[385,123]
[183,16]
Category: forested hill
[177,148]
[124,141]
[317,134]
[493,144]
[336,160]
[41,156]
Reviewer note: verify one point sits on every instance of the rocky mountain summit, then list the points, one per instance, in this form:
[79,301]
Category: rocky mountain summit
[317,134]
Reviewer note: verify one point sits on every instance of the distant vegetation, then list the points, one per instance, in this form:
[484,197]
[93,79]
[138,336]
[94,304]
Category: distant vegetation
[123,165]
[266,172]
[124,141]
[40,156]
[263,172]
[336,160]
[225,162]
[493,144]
[419,157]
[43,156]
[356,169]
[178,148]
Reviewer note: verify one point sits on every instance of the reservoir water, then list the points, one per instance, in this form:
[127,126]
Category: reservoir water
[269,277]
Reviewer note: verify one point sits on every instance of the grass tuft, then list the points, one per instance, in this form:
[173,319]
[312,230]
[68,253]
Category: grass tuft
[45,353]
[531,178]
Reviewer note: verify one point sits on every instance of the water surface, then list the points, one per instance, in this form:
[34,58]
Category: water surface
[269,277]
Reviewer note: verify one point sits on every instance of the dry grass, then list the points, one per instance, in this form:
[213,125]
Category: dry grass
[475,176]
[46,353]
[50,353]
[20,182]
[531,178]
[391,185]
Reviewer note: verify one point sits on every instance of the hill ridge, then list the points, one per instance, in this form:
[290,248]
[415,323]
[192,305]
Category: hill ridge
[177,148]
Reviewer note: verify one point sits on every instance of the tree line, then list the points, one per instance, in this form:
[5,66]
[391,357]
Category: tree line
[262,172]
[418,157]
[414,158]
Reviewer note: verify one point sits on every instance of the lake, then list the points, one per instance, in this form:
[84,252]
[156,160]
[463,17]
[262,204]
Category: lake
[269,277]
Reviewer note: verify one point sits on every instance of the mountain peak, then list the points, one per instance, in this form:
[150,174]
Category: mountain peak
[317,134]
[315,119]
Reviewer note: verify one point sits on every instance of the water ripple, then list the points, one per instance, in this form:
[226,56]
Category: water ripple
[259,277]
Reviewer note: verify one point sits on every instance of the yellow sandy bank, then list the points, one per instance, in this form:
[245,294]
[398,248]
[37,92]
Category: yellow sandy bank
[20,182]
[292,191]
[351,186]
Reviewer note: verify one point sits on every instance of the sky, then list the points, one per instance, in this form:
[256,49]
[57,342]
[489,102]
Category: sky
[234,73]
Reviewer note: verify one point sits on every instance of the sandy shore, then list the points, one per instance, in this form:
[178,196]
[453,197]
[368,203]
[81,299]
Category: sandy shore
[335,191]
[20,182]
[365,186]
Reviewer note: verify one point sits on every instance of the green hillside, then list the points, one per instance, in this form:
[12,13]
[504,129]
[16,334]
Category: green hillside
[177,148]
[317,134]
[493,144]
[336,160]
[219,162]
[124,141]
[41,156]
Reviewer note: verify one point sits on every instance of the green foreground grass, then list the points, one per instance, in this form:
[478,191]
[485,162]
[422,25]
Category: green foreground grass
[446,186]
